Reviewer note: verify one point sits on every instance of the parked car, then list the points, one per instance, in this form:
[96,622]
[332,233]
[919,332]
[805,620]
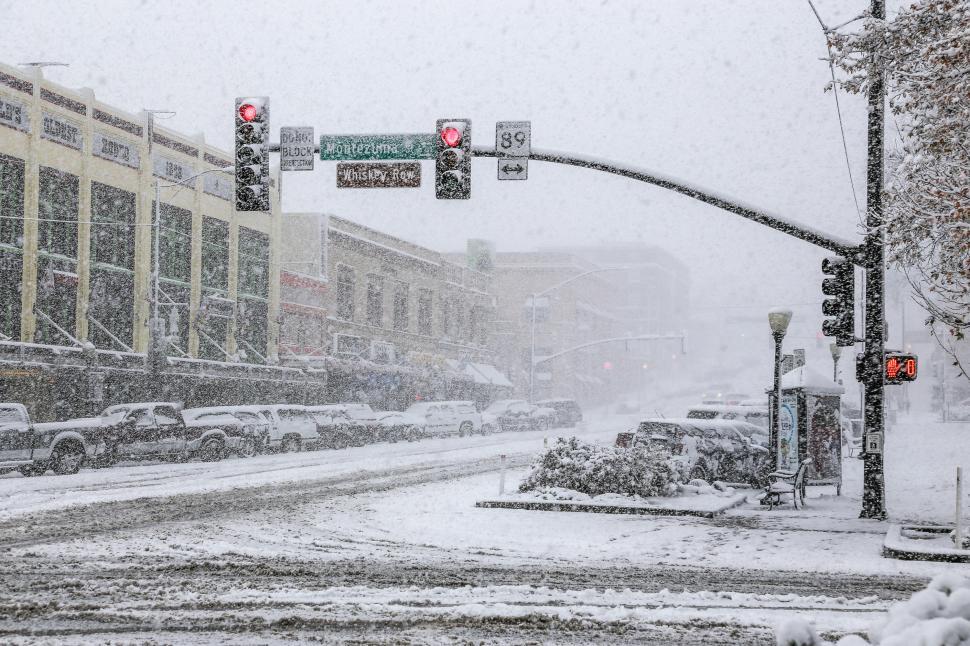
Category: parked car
[343,425]
[32,448]
[255,424]
[152,430]
[751,414]
[388,425]
[251,427]
[568,412]
[520,415]
[448,417]
[292,428]
[705,449]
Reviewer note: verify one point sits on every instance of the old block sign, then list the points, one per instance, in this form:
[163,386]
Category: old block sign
[379,175]
[297,148]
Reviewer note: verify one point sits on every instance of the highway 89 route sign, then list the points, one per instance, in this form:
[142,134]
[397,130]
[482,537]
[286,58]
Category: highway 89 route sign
[513,145]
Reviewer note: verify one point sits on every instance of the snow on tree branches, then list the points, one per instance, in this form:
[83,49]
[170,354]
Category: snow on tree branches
[925,54]
[594,470]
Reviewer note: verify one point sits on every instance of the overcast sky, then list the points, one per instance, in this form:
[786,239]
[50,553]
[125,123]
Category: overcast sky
[728,95]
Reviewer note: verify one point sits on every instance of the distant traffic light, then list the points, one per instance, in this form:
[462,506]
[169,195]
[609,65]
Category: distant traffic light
[899,368]
[841,307]
[252,153]
[453,164]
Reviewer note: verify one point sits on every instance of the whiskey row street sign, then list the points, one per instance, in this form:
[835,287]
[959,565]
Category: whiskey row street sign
[379,175]
[296,148]
[363,147]
[513,145]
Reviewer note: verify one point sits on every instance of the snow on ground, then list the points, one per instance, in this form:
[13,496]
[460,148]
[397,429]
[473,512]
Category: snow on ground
[358,544]
[19,495]
[922,455]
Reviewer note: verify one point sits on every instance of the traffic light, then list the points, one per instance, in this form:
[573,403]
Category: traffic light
[899,368]
[252,153]
[453,164]
[841,307]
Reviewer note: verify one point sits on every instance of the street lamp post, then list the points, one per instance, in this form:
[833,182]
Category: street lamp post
[778,320]
[535,295]
[836,351]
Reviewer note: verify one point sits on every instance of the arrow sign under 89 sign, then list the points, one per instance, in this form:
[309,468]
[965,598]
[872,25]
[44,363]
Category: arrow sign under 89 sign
[513,145]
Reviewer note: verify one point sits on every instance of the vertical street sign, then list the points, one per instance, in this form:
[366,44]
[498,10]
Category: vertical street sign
[296,148]
[513,145]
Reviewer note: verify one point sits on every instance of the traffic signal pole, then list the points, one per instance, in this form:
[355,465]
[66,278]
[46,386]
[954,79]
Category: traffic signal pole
[874,262]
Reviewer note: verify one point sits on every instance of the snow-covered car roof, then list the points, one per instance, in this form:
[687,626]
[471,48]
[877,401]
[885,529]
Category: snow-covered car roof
[726,408]
[687,423]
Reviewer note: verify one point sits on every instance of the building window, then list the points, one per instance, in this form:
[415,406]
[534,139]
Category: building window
[345,293]
[252,331]
[478,324]
[11,235]
[215,254]
[401,306]
[112,226]
[11,281]
[375,300]
[57,206]
[110,304]
[253,263]
[454,318]
[12,202]
[175,243]
[425,301]
[57,299]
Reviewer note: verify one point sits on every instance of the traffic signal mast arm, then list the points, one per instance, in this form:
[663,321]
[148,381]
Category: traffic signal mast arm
[832,243]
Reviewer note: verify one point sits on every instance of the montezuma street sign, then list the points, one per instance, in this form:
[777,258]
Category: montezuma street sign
[363,147]
[393,175]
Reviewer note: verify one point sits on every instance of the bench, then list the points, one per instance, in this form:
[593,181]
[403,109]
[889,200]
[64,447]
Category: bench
[785,483]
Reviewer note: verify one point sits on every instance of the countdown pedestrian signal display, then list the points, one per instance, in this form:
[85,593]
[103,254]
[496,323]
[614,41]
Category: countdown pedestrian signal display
[900,368]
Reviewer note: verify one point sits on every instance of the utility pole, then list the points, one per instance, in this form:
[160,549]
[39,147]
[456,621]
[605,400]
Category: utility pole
[874,260]
[154,354]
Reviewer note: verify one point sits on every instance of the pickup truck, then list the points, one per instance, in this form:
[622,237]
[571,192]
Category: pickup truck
[34,448]
[151,430]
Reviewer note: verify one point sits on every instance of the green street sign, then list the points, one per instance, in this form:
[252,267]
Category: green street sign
[354,147]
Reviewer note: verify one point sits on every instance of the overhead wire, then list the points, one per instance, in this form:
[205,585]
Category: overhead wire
[838,106]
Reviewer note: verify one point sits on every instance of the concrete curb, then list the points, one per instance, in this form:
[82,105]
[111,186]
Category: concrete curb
[897,546]
[591,507]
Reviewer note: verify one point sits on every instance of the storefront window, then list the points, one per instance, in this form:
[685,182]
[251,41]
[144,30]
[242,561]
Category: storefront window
[58,207]
[11,201]
[253,263]
[215,253]
[112,226]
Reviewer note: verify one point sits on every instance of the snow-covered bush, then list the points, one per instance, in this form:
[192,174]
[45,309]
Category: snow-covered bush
[594,470]
[936,616]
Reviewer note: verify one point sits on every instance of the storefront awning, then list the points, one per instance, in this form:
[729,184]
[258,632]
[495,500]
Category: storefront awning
[484,373]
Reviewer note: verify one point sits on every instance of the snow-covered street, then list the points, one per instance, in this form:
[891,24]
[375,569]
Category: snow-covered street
[373,542]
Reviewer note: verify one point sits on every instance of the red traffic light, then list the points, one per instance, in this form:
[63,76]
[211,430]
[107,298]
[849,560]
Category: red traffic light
[899,368]
[248,111]
[451,136]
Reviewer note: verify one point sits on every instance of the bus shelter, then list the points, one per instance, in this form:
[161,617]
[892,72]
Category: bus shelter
[810,426]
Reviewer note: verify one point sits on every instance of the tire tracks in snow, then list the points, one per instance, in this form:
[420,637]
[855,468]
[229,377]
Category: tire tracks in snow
[76,522]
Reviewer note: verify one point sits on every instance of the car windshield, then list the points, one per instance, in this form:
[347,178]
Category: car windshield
[9,416]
